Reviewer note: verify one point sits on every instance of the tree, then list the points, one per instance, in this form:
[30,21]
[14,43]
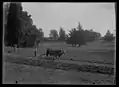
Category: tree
[30,40]
[71,39]
[27,23]
[61,34]
[108,33]
[5,12]
[91,35]
[53,34]
[72,32]
[41,34]
[76,37]
[79,27]
[19,28]
[28,29]
[66,36]
[13,25]
[108,36]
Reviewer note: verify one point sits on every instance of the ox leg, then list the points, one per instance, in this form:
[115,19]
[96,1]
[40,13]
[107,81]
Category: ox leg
[46,54]
[58,57]
[55,57]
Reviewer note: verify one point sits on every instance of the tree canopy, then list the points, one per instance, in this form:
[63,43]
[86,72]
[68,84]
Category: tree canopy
[80,36]
[62,34]
[53,34]
[19,27]
[76,37]
[108,36]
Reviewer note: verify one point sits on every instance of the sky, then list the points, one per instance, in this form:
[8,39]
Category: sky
[97,16]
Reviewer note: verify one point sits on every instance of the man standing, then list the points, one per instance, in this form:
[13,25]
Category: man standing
[47,52]
[35,51]
[36,47]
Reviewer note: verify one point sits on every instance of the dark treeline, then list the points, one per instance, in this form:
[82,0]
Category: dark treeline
[20,30]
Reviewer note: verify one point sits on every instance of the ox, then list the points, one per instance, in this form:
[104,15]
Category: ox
[55,53]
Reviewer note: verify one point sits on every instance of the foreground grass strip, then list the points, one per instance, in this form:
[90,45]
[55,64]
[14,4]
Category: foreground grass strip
[93,61]
[59,65]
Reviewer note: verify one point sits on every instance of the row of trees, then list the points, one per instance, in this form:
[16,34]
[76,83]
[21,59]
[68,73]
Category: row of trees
[55,36]
[75,36]
[19,27]
[79,35]
[20,30]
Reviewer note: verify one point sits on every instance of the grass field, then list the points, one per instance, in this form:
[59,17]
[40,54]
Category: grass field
[97,51]
[38,75]
[92,51]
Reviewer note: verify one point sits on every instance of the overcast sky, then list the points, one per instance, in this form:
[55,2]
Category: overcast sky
[97,16]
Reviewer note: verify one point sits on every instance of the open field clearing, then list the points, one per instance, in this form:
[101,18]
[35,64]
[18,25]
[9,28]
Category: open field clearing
[92,51]
[80,70]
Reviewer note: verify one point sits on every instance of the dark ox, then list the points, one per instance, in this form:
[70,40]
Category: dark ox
[55,53]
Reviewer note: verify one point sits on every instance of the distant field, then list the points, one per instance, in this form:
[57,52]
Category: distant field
[92,51]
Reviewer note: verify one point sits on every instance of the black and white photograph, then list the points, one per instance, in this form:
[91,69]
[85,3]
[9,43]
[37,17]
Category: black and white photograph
[57,43]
